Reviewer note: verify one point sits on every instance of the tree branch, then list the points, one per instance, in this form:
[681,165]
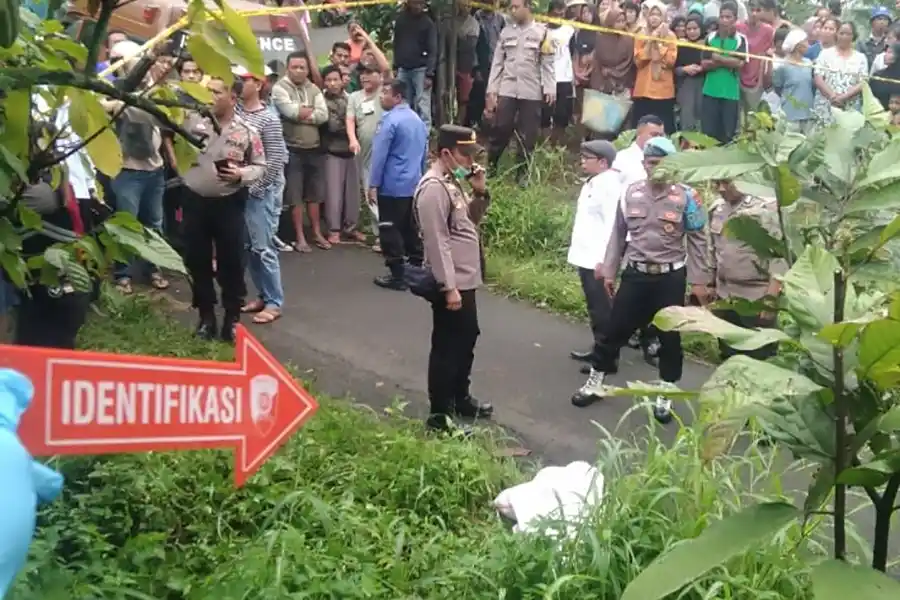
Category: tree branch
[106,9]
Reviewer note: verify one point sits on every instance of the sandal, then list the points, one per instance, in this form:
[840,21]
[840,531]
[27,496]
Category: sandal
[322,243]
[357,236]
[302,247]
[124,286]
[334,238]
[159,282]
[266,316]
[376,248]
[253,307]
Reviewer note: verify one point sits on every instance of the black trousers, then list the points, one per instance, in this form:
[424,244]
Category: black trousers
[639,298]
[514,115]
[476,103]
[749,321]
[398,233]
[720,118]
[50,318]
[453,337]
[598,302]
[219,223]
[560,114]
[664,109]
[171,227]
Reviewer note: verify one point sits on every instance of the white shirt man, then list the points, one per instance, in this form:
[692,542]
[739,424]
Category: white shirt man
[595,215]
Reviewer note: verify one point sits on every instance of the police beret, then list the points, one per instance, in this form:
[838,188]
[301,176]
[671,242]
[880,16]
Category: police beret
[457,137]
[659,147]
[599,149]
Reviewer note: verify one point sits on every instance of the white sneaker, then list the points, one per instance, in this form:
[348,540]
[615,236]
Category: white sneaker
[662,409]
[591,390]
[280,245]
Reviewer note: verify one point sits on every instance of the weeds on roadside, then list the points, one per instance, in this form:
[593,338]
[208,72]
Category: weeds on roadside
[360,507]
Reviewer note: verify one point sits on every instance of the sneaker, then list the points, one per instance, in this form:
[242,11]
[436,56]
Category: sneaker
[443,424]
[471,408]
[634,341]
[280,245]
[591,391]
[662,409]
[650,353]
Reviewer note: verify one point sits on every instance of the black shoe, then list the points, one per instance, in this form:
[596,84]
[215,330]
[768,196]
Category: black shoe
[581,355]
[444,424]
[649,356]
[586,369]
[473,409]
[229,329]
[206,328]
[634,341]
[390,282]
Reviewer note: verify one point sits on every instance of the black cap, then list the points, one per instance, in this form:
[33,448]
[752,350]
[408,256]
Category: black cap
[600,149]
[461,138]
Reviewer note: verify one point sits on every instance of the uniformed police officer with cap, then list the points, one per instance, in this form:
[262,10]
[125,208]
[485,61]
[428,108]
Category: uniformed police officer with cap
[667,250]
[522,80]
[448,218]
[213,208]
[740,272]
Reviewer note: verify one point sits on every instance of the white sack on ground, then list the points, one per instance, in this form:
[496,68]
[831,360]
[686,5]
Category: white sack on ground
[556,494]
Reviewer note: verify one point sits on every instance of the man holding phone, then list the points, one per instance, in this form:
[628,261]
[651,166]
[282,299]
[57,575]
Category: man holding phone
[215,197]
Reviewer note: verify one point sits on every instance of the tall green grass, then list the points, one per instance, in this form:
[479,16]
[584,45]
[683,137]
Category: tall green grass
[362,506]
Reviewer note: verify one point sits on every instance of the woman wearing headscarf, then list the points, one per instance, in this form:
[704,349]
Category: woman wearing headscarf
[654,86]
[792,80]
[613,64]
[689,75]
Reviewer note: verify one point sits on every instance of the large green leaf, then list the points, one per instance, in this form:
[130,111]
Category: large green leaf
[872,109]
[879,349]
[148,245]
[808,288]
[17,111]
[886,197]
[803,424]
[88,117]
[212,62]
[719,542]
[244,39]
[839,580]
[749,230]
[839,157]
[712,164]
[699,320]
[883,167]
[786,185]
[874,473]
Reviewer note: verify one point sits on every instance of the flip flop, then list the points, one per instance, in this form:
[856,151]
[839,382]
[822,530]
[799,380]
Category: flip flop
[159,282]
[124,286]
[266,316]
[322,244]
[253,307]
[302,248]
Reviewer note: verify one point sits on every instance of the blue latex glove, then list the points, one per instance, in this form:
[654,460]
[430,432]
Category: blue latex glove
[24,482]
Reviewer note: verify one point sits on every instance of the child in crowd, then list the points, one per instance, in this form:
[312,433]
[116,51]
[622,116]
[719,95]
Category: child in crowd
[722,86]
[341,175]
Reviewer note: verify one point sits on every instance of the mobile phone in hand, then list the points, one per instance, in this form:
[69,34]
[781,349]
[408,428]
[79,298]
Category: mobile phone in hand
[222,164]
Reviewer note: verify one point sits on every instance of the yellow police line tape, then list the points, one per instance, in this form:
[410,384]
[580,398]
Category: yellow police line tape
[272,11]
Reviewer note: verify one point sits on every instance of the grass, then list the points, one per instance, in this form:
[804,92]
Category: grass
[527,234]
[357,506]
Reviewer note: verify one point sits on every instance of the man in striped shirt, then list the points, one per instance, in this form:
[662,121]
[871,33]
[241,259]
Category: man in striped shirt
[262,205]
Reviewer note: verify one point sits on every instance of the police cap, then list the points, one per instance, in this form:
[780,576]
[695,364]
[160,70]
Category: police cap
[459,138]
[599,149]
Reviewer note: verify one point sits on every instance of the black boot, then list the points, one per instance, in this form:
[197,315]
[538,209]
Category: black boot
[229,327]
[206,327]
[471,408]
[650,351]
[442,423]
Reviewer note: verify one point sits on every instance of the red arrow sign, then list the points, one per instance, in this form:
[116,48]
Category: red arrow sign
[100,403]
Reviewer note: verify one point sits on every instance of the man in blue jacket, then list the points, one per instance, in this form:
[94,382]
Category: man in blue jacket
[399,151]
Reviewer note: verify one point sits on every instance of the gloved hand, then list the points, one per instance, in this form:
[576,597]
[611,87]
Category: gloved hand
[24,482]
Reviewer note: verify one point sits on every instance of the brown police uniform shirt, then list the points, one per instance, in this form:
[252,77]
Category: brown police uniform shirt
[523,65]
[448,220]
[740,271]
[239,143]
[666,225]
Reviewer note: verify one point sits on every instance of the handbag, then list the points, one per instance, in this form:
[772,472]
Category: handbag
[604,113]
[419,278]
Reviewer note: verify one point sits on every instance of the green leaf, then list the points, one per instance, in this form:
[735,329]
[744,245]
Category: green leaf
[70,48]
[15,268]
[185,155]
[699,320]
[87,117]
[820,488]
[198,92]
[886,197]
[848,121]
[879,349]
[839,580]
[842,334]
[883,167]
[148,245]
[719,542]
[244,39]
[787,187]
[697,139]
[712,164]
[872,474]
[749,230]
[808,288]
[872,110]
[29,218]
[802,423]
[17,116]
[750,380]
[839,158]
[212,63]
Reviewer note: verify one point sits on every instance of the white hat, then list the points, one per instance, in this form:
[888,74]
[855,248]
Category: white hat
[125,49]
[792,39]
[241,72]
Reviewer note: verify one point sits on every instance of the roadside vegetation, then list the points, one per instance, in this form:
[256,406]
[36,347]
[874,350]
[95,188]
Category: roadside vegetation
[359,505]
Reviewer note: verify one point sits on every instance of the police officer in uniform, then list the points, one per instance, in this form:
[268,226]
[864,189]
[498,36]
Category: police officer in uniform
[213,207]
[667,250]
[448,218]
[740,272]
[522,79]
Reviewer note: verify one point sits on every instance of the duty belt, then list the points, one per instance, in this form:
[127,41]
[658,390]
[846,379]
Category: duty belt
[656,268]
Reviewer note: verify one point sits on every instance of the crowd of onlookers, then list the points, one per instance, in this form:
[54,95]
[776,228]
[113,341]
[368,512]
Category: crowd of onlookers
[352,135]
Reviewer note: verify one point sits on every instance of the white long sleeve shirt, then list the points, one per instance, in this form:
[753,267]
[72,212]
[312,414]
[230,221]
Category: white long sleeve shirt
[79,166]
[595,215]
